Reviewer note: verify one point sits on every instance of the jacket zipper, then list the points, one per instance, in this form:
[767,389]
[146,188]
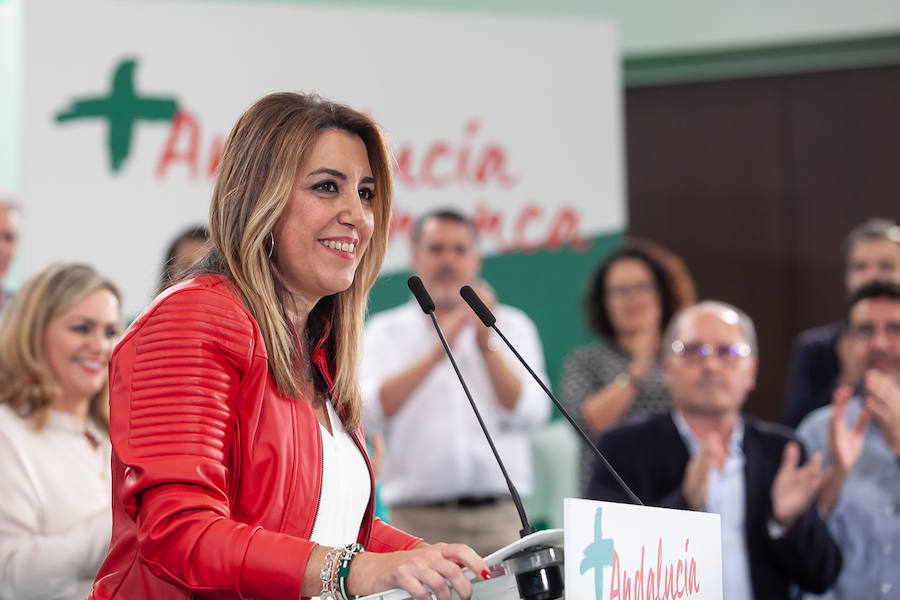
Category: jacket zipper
[321,478]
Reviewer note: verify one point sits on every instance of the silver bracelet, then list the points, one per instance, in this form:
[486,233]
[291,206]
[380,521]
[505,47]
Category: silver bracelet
[326,575]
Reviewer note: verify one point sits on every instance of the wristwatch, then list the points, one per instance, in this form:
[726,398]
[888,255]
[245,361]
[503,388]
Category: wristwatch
[625,379]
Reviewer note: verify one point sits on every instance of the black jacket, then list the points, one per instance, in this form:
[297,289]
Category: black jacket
[651,457]
[813,372]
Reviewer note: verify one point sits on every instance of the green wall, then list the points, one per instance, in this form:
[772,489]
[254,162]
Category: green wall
[10,90]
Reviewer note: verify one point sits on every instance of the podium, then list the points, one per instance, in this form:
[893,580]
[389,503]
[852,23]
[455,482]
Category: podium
[607,550]
[537,559]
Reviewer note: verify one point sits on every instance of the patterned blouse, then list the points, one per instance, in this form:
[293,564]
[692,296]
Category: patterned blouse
[588,369]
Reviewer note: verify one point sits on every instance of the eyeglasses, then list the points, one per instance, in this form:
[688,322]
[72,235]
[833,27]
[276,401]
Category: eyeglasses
[866,331]
[697,352]
[639,289]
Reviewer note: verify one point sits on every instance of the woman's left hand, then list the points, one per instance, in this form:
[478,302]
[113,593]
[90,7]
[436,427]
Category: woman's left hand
[438,567]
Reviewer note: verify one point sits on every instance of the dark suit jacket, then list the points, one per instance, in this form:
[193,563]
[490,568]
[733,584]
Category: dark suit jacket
[813,372]
[651,457]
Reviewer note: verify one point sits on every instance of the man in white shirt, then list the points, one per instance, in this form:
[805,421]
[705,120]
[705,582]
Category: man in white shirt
[439,475]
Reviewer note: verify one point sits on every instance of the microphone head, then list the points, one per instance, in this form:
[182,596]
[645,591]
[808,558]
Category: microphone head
[422,297]
[483,312]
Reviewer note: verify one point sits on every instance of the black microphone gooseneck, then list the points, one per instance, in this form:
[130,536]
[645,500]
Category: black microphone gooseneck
[489,320]
[424,299]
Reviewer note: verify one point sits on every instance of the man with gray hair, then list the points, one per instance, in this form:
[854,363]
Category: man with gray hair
[822,360]
[704,455]
[10,225]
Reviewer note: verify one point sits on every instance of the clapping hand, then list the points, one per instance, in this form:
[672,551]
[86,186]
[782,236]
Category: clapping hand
[795,487]
[845,443]
[883,400]
[695,486]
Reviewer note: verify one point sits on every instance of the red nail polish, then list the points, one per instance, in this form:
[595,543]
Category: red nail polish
[485,574]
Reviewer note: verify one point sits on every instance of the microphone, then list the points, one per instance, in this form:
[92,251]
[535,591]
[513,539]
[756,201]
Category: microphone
[489,320]
[427,304]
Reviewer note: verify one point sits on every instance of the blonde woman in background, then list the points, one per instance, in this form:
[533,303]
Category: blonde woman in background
[56,337]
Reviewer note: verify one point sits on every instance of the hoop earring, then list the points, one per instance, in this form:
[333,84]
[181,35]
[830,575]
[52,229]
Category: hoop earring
[271,240]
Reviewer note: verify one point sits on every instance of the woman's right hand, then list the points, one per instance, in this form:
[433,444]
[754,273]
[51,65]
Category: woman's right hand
[434,566]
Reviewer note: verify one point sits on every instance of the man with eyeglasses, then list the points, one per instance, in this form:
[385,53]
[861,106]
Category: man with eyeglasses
[859,435]
[821,359]
[705,455]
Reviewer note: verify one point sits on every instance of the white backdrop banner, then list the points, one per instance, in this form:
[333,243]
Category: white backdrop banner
[514,120]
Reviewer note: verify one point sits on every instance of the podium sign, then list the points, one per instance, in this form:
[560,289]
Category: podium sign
[625,552]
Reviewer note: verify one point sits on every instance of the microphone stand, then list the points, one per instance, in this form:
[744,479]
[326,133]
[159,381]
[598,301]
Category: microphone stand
[540,578]
[489,320]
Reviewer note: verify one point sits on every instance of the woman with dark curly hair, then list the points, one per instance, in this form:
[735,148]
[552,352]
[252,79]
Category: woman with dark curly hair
[630,299]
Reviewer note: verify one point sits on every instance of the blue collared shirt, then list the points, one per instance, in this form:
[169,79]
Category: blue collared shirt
[726,496]
[865,522]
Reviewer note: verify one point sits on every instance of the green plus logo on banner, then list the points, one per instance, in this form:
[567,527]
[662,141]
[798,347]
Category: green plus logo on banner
[598,555]
[122,108]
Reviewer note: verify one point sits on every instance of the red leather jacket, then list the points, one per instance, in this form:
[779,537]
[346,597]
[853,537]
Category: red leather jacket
[216,475]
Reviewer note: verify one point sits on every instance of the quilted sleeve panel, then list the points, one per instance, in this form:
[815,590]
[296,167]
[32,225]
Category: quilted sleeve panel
[174,384]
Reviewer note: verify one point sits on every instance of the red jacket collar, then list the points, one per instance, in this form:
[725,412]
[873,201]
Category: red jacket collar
[319,358]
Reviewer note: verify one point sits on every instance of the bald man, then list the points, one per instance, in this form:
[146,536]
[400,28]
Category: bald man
[704,455]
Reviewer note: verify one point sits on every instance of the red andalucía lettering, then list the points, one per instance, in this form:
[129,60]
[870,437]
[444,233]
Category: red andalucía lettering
[401,224]
[183,146]
[489,223]
[671,581]
[443,164]
[215,154]
[528,214]
[532,228]
[185,124]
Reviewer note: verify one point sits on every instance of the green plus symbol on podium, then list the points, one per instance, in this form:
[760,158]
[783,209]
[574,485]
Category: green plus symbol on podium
[122,108]
[598,554]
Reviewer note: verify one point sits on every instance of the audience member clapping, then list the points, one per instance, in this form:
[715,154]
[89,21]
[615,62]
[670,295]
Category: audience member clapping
[633,294]
[704,455]
[822,359]
[860,436]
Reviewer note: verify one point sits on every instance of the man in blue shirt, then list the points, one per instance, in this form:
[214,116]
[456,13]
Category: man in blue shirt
[859,435]
[820,360]
[705,455]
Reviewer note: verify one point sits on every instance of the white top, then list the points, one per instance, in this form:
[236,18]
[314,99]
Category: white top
[345,487]
[726,497]
[435,449]
[55,513]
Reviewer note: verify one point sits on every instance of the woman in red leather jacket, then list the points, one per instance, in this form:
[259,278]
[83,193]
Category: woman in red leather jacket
[239,468]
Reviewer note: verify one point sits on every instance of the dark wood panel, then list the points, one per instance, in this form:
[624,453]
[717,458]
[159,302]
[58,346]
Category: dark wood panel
[843,142]
[755,182]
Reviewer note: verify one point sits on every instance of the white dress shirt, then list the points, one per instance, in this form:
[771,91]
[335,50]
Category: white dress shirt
[435,449]
[55,514]
[727,497]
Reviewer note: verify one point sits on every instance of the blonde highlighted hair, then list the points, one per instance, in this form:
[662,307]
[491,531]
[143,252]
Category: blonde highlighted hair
[254,183]
[27,382]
